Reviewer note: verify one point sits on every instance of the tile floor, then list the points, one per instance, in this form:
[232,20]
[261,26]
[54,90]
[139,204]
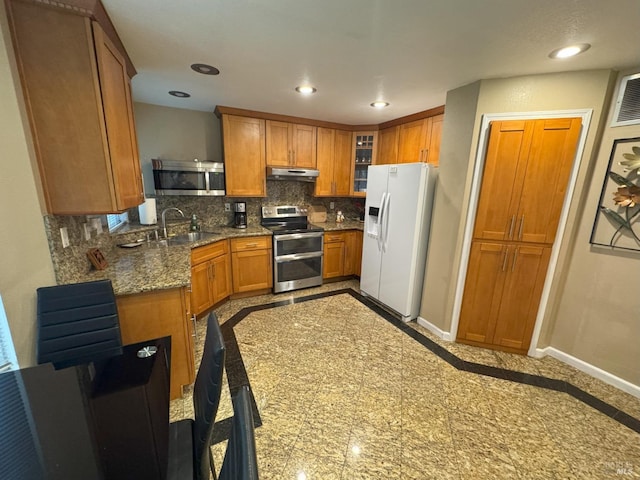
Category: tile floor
[343,393]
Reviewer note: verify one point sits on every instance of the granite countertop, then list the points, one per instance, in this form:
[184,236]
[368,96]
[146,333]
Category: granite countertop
[332,226]
[156,266]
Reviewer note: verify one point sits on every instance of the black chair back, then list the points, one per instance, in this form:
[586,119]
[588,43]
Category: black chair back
[240,461]
[77,323]
[206,396]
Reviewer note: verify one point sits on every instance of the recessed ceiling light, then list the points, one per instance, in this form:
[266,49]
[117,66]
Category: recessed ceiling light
[179,94]
[380,104]
[204,69]
[306,89]
[570,51]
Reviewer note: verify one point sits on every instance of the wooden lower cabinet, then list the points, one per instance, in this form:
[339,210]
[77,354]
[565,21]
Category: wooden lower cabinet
[502,294]
[161,313]
[342,253]
[210,276]
[252,264]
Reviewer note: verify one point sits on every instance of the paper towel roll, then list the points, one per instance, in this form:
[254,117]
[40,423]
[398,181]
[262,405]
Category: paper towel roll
[147,212]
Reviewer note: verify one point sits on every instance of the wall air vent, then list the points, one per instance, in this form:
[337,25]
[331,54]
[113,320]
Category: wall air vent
[628,103]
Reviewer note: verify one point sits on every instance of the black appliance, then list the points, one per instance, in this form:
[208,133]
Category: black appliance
[297,248]
[240,215]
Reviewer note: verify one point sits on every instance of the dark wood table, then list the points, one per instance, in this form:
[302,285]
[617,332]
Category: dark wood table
[104,420]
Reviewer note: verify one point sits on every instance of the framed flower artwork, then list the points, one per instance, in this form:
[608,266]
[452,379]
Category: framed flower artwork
[617,222]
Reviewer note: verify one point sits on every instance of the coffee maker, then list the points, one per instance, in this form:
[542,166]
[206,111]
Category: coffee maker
[240,215]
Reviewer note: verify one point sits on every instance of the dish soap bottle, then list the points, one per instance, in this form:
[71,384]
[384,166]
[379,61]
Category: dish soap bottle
[194,227]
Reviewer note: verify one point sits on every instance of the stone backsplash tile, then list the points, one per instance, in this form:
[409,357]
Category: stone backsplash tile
[72,261]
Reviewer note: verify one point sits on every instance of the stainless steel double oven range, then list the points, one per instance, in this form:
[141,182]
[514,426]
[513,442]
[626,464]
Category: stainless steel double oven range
[297,248]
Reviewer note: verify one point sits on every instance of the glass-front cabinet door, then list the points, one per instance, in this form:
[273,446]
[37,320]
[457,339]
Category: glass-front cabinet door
[364,154]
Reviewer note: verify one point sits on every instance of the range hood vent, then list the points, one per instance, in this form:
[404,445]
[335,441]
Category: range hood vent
[296,174]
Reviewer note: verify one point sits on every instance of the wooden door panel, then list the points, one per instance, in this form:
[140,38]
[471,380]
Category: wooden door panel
[521,296]
[278,144]
[201,294]
[413,139]
[549,164]
[304,146]
[119,122]
[350,253]
[333,262]
[325,161]
[483,287]
[342,163]
[433,155]
[221,286]
[252,270]
[244,156]
[508,146]
[388,145]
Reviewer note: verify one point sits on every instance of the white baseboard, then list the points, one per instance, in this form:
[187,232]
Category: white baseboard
[589,369]
[435,330]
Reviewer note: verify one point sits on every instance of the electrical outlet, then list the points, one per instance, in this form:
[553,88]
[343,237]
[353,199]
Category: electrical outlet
[87,231]
[227,207]
[97,224]
[64,236]
[332,205]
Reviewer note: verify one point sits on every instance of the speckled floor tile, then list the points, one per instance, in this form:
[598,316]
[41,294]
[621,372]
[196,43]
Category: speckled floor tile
[344,394]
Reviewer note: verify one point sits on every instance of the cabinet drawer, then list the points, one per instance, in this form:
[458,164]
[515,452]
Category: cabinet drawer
[250,243]
[331,237]
[207,252]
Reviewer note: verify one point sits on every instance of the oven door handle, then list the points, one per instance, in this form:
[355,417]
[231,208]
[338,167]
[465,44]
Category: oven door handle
[296,236]
[297,256]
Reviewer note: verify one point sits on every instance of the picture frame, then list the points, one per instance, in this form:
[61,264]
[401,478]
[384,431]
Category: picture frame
[617,221]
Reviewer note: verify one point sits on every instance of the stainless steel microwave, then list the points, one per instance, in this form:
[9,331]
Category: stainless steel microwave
[172,177]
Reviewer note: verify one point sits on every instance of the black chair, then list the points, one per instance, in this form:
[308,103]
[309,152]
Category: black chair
[240,462]
[189,452]
[77,323]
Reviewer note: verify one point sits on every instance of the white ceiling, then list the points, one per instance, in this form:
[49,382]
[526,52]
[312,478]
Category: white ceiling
[406,52]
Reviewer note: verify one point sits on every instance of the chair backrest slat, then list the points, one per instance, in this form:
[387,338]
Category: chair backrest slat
[77,323]
[240,460]
[206,395]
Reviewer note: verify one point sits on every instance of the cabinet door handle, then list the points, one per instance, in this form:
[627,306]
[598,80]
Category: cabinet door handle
[426,155]
[504,259]
[513,221]
[195,328]
[250,245]
[213,271]
[515,257]
[520,229]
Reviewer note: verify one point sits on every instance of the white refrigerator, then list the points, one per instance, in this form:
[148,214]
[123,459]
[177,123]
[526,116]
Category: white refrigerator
[396,234]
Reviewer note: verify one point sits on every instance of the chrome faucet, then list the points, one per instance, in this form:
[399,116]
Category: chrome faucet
[164,220]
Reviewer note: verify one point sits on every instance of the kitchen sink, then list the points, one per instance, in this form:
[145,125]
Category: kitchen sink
[187,238]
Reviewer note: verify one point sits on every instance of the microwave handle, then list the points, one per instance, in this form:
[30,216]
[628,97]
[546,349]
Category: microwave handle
[206,181]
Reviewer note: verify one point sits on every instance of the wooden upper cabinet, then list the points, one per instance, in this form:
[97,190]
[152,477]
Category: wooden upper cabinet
[526,173]
[333,162]
[413,141]
[388,145]
[550,160]
[78,99]
[433,153]
[244,156]
[290,144]
[118,114]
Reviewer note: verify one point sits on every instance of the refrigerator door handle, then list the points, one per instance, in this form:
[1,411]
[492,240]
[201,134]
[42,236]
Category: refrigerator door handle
[386,223]
[380,220]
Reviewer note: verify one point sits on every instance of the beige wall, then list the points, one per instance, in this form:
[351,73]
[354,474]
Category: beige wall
[25,263]
[442,257]
[590,315]
[597,318]
[175,134]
